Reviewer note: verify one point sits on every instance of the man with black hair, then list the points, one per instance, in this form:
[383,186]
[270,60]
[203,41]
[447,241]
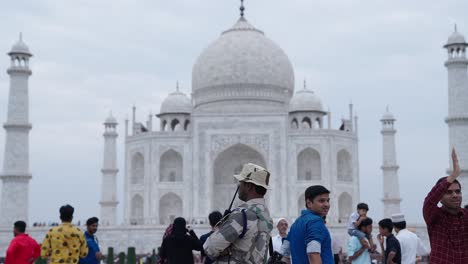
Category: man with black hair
[392,251]
[243,235]
[213,218]
[94,253]
[447,225]
[22,249]
[409,241]
[64,243]
[308,240]
[357,253]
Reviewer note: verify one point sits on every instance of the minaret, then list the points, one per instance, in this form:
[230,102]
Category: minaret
[16,175]
[391,187]
[457,119]
[109,174]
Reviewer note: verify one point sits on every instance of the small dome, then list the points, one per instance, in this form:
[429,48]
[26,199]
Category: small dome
[176,103]
[456,38]
[20,47]
[305,100]
[388,116]
[110,120]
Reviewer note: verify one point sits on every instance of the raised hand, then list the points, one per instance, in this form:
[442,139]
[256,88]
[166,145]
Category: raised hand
[456,167]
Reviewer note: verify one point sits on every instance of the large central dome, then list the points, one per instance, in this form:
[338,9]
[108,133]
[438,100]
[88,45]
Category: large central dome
[242,67]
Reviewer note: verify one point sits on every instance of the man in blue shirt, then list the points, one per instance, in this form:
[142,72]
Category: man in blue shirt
[94,253]
[357,253]
[308,240]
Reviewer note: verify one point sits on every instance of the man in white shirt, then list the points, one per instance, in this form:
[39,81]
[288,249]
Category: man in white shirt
[282,227]
[408,240]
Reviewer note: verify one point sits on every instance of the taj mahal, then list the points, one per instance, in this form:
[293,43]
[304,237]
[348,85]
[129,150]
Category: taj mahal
[243,107]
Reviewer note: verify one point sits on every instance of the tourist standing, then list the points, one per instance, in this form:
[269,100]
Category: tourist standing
[282,227]
[244,234]
[214,218]
[64,243]
[392,249]
[177,247]
[357,253]
[308,240]
[447,225]
[408,240]
[94,253]
[22,249]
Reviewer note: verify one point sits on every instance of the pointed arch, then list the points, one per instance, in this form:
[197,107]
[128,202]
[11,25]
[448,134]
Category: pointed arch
[171,167]
[306,123]
[344,166]
[187,125]
[137,210]
[138,168]
[294,124]
[164,125]
[345,207]
[228,163]
[309,165]
[170,207]
[175,125]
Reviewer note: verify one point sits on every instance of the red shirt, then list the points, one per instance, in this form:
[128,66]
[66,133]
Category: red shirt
[22,250]
[448,233]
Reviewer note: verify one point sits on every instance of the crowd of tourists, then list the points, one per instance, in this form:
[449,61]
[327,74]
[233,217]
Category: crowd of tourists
[243,235]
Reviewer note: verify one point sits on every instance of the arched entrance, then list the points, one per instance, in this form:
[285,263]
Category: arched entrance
[170,207]
[345,207]
[228,163]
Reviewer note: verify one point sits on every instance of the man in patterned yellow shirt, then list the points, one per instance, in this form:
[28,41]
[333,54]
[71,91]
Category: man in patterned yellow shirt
[64,243]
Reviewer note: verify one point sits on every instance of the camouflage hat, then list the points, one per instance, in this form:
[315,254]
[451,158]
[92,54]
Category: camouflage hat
[254,174]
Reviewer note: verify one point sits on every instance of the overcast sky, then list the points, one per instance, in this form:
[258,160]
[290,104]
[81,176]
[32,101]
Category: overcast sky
[91,57]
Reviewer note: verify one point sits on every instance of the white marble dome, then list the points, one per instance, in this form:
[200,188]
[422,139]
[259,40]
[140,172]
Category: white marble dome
[242,63]
[110,120]
[305,100]
[388,116]
[176,103]
[20,47]
[456,38]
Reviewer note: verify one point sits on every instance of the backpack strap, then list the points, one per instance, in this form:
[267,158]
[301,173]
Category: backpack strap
[244,224]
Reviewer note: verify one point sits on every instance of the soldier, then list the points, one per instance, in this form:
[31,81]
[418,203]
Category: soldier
[243,235]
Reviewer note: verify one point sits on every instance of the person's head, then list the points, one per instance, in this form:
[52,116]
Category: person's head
[179,226]
[399,222]
[282,226]
[452,198]
[366,225]
[385,226]
[362,208]
[214,218]
[66,213]
[19,227]
[317,199]
[92,225]
[253,182]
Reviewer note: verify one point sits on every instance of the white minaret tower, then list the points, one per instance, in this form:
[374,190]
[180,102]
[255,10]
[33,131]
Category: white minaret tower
[15,175]
[109,174]
[457,119]
[391,187]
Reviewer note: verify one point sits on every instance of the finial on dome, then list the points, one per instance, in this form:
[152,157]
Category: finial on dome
[177,87]
[455,27]
[305,84]
[21,36]
[388,109]
[242,8]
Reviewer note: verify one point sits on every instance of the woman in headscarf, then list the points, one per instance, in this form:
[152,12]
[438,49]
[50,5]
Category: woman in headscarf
[177,247]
